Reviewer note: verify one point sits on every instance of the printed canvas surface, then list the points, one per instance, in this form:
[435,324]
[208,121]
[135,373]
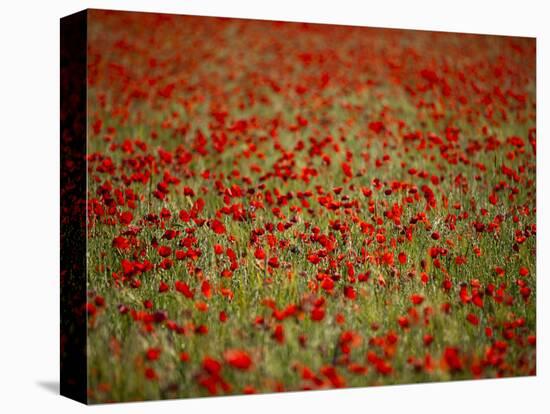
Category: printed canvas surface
[286,206]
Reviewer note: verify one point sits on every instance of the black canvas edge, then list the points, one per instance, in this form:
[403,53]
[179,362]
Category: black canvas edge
[73,202]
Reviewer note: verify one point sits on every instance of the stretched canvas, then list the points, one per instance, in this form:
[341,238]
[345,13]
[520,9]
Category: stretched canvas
[256,206]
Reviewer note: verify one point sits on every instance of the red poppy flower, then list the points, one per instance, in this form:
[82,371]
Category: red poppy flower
[150,374]
[153,354]
[417,299]
[317,314]
[473,319]
[121,243]
[164,251]
[163,287]
[217,226]
[184,289]
[211,365]
[206,289]
[279,334]
[238,359]
[259,254]
[126,217]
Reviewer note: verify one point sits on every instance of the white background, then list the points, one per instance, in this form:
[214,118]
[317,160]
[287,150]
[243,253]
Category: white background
[29,205]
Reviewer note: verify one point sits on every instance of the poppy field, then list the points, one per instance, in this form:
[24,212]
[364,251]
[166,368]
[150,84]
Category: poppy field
[285,206]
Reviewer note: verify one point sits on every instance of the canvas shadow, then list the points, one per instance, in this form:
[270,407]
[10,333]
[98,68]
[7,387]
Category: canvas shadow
[51,386]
